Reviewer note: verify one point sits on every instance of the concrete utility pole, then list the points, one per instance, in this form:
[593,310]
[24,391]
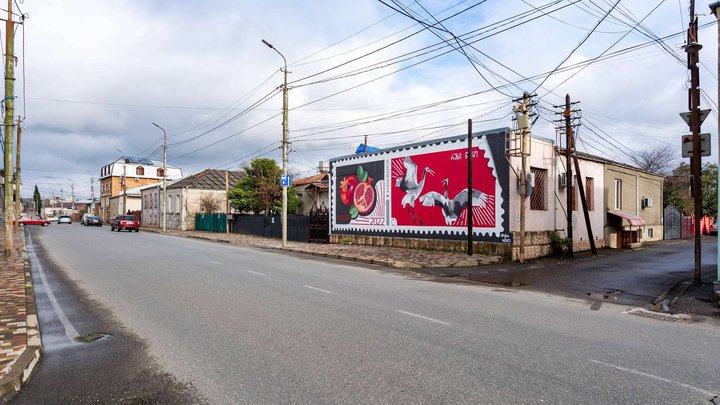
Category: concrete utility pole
[714,9]
[284,143]
[568,173]
[9,115]
[17,176]
[470,191]
[693,51]
[92,193]
[523,127]
[164,182]
[124,189]
[227,203]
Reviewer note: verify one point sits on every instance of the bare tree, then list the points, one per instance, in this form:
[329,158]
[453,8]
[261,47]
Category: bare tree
[209,203]
[658,158]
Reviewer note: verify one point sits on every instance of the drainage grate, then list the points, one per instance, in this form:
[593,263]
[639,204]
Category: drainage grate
[91,337]
[659,315]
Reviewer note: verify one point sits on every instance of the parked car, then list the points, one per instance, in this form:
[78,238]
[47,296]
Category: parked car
[91,220]
[64,219]
[129,222]
[36,221]
[713,228]
[52,218]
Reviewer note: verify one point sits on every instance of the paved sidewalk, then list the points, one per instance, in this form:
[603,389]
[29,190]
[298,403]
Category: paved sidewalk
[380,255]
[20,346]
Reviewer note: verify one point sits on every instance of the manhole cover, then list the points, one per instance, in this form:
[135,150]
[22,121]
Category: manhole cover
[659,315]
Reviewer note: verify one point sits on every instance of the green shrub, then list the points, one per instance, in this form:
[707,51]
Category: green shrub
[560,246]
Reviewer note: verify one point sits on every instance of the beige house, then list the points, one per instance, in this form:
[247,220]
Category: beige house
[313,192]
[634,206]
[184,198]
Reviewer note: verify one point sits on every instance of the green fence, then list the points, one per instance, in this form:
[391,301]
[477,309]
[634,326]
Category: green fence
[210,222]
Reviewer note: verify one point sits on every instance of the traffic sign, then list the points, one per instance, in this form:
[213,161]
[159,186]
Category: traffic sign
[285,180]
[686,116]
[687,145]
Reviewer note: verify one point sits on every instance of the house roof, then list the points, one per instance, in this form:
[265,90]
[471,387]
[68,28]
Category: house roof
[318,178]
[209,179]
[593,158]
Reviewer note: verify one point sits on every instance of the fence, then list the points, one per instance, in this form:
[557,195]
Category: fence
[210,222]
[271,227]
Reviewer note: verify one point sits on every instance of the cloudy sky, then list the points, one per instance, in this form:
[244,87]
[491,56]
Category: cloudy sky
[98,73]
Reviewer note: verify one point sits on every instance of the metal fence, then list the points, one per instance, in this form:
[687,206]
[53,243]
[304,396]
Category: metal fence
[210,222]
[271,226]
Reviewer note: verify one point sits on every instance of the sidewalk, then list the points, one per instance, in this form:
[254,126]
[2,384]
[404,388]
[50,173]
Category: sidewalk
[380,255]
[628,277]
[20,346]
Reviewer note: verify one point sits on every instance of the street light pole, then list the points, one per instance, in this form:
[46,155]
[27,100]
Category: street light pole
[714,9]
[164,201]
[284,144]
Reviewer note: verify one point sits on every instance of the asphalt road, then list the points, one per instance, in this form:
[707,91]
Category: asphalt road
[253,326]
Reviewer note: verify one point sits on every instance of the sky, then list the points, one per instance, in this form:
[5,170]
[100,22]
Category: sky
[92,77]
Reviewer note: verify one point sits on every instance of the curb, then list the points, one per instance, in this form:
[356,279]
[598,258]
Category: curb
[22,368]
[667,298]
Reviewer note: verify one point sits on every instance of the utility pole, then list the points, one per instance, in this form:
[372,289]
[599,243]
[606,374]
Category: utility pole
[72,193]
[9,115]
[227,203]
[164,182]
[714,9]
[470,191]
[568,173]
[693,55]
[284,144]
[523,150]
[17,176]
[124,189]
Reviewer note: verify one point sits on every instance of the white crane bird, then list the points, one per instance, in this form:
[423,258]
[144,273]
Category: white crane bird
[411,186]
[451,209]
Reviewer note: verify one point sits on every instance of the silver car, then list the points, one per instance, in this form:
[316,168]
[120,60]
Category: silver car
[64,219]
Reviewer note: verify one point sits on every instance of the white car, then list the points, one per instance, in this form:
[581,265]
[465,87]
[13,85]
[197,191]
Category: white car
[64,219]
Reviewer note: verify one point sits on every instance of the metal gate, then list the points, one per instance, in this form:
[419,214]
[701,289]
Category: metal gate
[672,223]
[319,224]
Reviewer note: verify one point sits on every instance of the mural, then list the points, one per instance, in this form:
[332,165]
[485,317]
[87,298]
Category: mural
[421,190]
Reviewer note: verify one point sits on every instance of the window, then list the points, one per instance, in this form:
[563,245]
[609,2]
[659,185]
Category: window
[160,172]
[650,232]
[139,171]
[618,194]
[589,192]
[537,196]
[177,203]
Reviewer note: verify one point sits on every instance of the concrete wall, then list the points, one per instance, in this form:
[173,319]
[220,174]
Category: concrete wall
[116,208]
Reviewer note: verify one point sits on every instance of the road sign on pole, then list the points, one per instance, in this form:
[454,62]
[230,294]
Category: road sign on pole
[687,145]
[686,116]
[285,180]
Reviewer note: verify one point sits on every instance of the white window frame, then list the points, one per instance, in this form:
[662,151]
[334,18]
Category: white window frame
[618,194]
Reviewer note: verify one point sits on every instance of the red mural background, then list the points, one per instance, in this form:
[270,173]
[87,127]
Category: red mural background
[453,166]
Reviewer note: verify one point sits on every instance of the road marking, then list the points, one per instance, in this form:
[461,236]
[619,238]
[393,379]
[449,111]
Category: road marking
[255,272]
[213,261]
[70,330]
[424,317]
[317,289]
[667,380]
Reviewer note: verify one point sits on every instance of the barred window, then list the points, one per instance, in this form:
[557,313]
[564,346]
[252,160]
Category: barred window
[538,200]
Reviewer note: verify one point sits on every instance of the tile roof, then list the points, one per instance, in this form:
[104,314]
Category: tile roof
[209,179]
[318,178]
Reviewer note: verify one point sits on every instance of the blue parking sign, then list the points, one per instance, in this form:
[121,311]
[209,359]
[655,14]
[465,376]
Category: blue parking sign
[285,180]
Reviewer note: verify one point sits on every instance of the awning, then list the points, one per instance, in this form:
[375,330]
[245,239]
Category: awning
[634,220]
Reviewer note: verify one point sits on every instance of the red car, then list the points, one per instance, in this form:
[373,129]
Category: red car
[38,221]
[129,222]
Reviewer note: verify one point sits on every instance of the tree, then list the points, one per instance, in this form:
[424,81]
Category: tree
[259,190]
[38,200]
[209,203]
[709,189]
[657,159]
[676,189]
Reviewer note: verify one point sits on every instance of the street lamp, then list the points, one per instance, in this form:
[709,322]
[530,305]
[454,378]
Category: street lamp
[164,199]
[284,144]
[714,9]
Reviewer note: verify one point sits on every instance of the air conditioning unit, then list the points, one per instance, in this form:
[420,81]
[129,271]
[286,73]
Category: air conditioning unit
[647,202]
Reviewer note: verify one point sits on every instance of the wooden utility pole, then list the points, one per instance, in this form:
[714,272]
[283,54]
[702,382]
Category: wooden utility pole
[470,192]
[693,51]
[9,115]
[568,172]
[17,176]
[124,188]
[521,146]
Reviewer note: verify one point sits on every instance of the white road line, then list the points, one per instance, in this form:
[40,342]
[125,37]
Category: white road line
[255,272]
[70,330]
[213,261]
[317,289]
[667,380]
[424,317]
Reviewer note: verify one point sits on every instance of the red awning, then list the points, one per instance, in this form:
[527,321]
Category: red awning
[634,220]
